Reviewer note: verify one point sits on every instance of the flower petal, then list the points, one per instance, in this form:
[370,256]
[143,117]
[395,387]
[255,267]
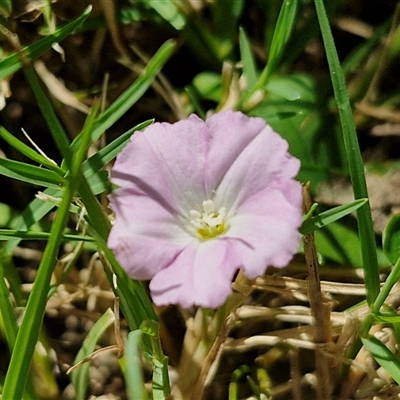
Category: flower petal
[201,275]
[145,236]
[264,161]
[166,162]
[231,133]
[268,223]
[172,172]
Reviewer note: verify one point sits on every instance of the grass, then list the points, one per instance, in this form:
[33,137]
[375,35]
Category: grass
[325,327]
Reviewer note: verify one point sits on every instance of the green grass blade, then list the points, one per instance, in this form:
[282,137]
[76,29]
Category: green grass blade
[390,281]
[7,313]
[134,301]
[391,239]
[383,356]
[248,61]
[127,99]
[80,375]
[33,316]
[225,15]
[151,348]
[13,63]
[320,220]
[366,232]
[9,324]
[28,152]
[283,30]
[5,8]
[6,234]
[9,272]
[169,11]
[56,129]
[30,174]
[361,53]
[34,212]
[133,372]
[388,318]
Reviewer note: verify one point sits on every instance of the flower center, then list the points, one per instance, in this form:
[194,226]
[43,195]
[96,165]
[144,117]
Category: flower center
[209,223]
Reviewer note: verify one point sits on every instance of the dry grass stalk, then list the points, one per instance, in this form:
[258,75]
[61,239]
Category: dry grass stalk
[320,309]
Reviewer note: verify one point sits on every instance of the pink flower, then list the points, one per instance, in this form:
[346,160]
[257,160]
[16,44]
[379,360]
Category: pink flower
[197,201]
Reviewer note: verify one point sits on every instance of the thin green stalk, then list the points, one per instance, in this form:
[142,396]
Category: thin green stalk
[366,232]
[56,129]
[391,280]
[33,316]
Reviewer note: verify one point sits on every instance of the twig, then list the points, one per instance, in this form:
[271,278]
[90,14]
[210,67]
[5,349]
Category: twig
[320,310]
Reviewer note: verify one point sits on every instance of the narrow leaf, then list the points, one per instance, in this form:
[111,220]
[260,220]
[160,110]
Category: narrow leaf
[133,372]
[390,281]
[366,231]
[80,375]
[28,333]
[127,99]
[13,63]
[283,30]
[332,215]
[391,239]
[30,174]
[6,234]
[28,152]
[248,61]
[383,356]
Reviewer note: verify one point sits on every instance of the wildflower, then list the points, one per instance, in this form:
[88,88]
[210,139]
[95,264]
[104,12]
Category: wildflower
[199,200]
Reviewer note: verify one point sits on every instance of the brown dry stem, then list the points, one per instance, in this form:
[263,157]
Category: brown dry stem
[321,311]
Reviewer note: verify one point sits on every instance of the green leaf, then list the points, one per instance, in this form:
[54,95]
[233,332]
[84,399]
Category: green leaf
[225,15]
[151,348]
[134,300]
[30,174]
[131,95]
[284,88]
[283,30]
[57,130]
[29,330]
[390,281]
[7,313]
[33,213]
[391,239]
[5,8]
[28,152]
[383,356]
[208,85]
[339,243]
[133,372]
[326,217]
[7,214]
[387,317]
[13,63]
[9,327]
[356,166]
[80,375]
[6,234]
[169,12]
[247,58]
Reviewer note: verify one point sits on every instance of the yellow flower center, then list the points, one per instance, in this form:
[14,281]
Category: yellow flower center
[209,223]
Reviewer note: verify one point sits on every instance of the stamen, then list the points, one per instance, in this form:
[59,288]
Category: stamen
[209,223]
[208,206]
